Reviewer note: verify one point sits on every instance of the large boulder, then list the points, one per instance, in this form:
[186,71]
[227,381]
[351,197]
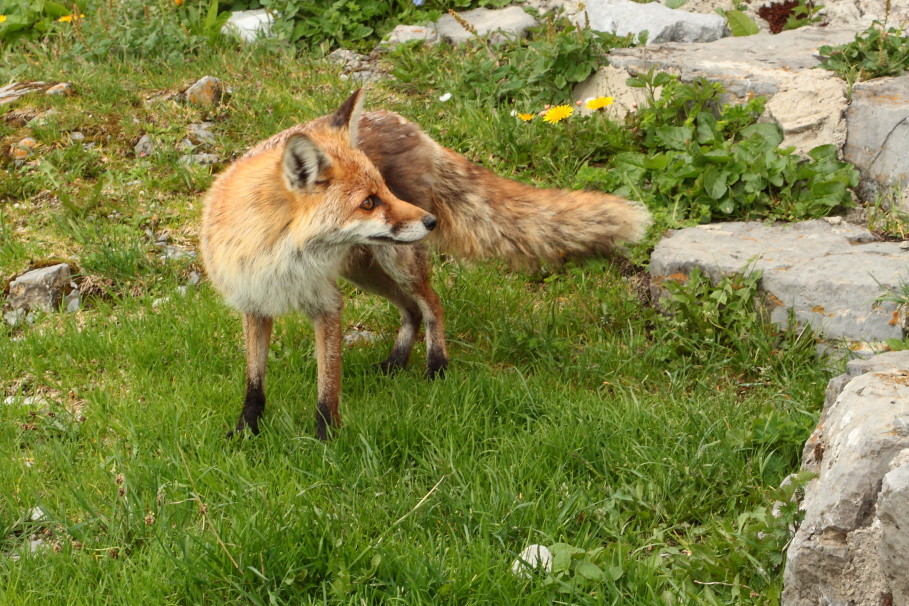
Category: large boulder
[511,21]
[851,547]
[829,275]
[808,104]
[878,127]
[662,24]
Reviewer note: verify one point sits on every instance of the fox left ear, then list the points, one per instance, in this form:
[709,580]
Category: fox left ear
[303,162]
[348,116]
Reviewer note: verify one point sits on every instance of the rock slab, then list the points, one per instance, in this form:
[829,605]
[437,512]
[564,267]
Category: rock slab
[852,544]
[878,126]
[623,17]
[39,289]
[249,25]
[829,275]
[809,104]
[511,21]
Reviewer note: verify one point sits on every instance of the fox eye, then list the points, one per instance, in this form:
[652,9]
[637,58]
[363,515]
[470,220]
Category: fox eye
[370,203]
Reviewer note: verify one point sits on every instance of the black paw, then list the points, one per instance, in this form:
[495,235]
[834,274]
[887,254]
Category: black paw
[436,366]
[389,367]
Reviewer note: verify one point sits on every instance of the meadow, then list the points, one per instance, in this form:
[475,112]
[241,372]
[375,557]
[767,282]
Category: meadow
[646,450]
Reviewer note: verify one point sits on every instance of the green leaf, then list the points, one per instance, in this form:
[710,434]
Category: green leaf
[715,182]
[741,24]
[590,571]
[675,3]
[56,10]
[675,137]
[771,133]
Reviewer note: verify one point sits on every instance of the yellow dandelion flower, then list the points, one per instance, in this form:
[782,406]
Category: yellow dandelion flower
[68,18]
[598,102]
[525,117]
[557,113]
[178,2]
[2,18]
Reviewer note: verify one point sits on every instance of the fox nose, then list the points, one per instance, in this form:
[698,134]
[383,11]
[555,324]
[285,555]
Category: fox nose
[429,222]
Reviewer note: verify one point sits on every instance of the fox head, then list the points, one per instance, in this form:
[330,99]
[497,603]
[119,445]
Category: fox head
[351,202]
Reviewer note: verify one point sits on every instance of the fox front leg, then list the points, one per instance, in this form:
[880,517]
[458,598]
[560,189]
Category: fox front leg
[257,334]
[328,359]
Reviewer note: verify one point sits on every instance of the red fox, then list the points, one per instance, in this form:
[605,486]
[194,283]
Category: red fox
[353,194]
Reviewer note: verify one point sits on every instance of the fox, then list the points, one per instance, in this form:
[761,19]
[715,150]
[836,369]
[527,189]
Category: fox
[363,195]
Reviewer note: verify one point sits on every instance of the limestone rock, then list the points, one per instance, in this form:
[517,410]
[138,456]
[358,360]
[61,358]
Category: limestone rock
[837,555]
[39,289]
[893,512]
[829,275]
[200,159]
[408,33]
[663,24]
[64,89]
[145,146]
[809,104]
[249,25]
[201,133]
[878,124]
[207,92]
[511,21]
[859,14]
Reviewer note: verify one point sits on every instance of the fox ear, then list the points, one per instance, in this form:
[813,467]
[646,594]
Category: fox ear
[303,162]
[348,116]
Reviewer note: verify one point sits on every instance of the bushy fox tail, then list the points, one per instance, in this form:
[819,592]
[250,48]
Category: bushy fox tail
[481,215]
[489,216]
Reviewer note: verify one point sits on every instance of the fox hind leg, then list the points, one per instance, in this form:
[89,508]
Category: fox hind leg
[401,275]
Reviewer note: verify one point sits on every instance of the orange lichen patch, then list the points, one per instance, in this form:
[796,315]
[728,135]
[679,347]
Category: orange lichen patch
[773,299]
[900,378]
[819,309]
[894,319]
[677,277]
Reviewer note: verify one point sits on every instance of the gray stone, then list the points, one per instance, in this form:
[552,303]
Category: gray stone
[829,275]
[201,133]
[76,137]
[837,554]
[878,131]
[15,317]
[534,558]
[859,14]
[73,301]
[348,59]
[200,159]
[503,22]
[173,252]
[893,512]
[809,104]
[409,33]
[39,289]
[64,89]
[206,93]
[249,25]
[663,24]
[360,335]
[145,146]
[185,145]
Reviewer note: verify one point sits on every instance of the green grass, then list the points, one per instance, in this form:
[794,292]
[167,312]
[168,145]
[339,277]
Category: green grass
[566,416]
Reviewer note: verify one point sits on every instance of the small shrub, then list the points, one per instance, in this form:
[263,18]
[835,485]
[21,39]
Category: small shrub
[874,53]
[707,320]
[699,160]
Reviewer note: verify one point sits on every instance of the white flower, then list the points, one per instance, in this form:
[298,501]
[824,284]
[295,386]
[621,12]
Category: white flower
[445,97]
